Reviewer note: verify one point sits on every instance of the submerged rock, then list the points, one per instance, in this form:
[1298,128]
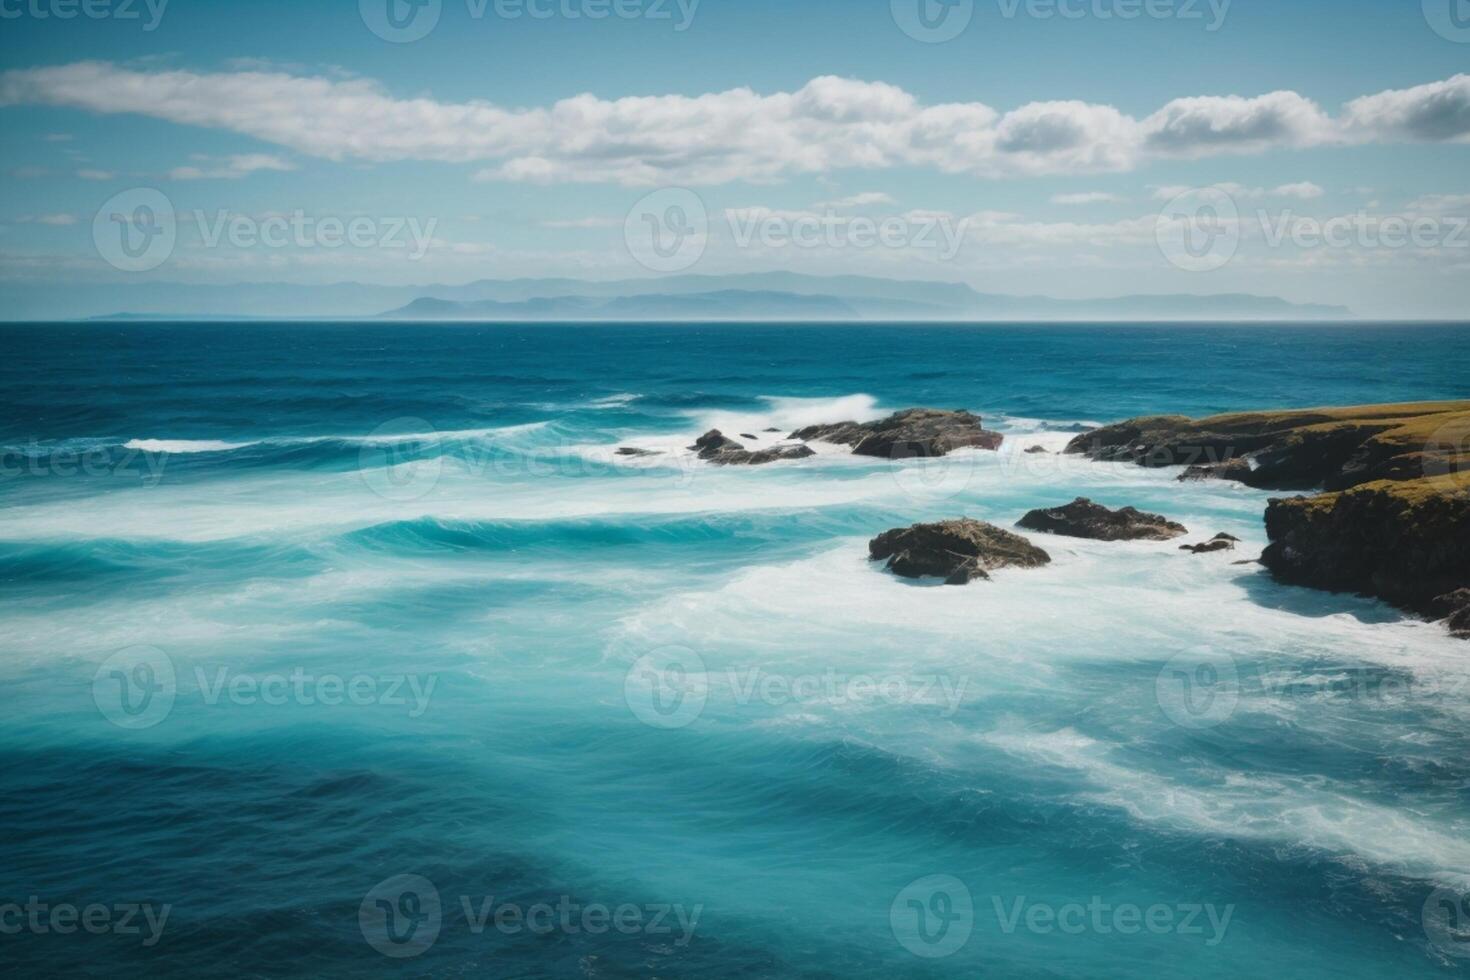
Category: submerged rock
[1038,451]
[1220,542]
[1084,519]
[630,451]
[916,433]
[715,447]
[957,551]
[1407,543]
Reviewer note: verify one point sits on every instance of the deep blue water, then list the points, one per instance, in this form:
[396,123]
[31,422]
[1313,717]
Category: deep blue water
[592,681]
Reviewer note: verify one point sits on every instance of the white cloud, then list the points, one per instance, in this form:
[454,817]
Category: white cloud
[55,220]
[1086,197]
[584,223]
[1305,190]
[1439,204]
[736,135]
[1435,113]
[96,174]
[866,199]
[229,168]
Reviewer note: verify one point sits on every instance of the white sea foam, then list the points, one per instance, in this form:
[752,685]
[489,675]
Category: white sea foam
[1308,812]
[184,445]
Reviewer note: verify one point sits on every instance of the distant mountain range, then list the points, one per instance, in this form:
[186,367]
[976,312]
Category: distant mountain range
[749,296]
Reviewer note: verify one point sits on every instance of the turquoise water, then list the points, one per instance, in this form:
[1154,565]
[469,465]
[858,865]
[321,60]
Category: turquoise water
[293,611]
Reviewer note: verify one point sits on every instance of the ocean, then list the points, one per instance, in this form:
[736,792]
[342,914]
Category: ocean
[357,649]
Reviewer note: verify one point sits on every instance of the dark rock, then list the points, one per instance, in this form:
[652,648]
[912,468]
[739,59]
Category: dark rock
[1454,608]
[1038,451]
[957,551]
[772,429]
[1407,543]
[712,443]
[747,435]
[1235,469]
[1220,542]
[629,451]
[1084,519]
[916,433]
[714,447]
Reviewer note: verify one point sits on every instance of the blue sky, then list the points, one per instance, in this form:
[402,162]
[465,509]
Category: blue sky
[1032,153]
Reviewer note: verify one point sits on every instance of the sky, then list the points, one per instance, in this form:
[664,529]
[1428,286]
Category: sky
[1311,150]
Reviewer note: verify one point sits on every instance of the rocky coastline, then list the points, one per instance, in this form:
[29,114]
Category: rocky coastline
[1388,513]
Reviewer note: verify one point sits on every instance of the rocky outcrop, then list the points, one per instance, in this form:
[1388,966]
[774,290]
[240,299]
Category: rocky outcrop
[1234,469]
[1084,519]
[1454,609]
[916,433]
[715,447]
[1220,542]
[1408,543]
[1330,448]
[957,551]
[1037,451]
[630,451]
